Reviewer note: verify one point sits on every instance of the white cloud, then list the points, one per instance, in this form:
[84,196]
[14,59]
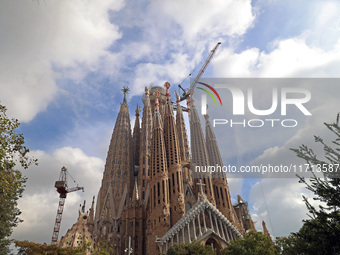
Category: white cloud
[97,135]
[327,12]
[54,40]
[174,35]
[279,203]
[284,195]
[158,74]
[289,58]
[38,39]
[235,187]
[230,64]
[202,18]
[315,52]
[293,57]
[40,200]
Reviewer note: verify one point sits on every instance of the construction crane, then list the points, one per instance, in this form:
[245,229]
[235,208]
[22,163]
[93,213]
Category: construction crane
[62,189]
[186,93]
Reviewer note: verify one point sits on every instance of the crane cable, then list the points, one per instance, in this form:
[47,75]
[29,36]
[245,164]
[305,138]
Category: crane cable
[193,71]
[72,178]
[265,203]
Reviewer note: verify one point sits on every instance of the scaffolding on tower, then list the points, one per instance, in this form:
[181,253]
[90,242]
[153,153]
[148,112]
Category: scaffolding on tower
[62,189]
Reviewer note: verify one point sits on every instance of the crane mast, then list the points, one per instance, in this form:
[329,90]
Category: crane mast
[62,189]
[199,75]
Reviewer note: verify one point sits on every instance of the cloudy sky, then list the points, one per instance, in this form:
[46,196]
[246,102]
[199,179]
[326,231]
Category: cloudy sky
[63,64]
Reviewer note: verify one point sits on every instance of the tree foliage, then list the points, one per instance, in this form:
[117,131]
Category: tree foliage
[12,183]
[104,248]
[253,243]
[190,249]
[320,234]
[31,248]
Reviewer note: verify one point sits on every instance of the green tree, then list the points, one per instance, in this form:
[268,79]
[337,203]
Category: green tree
[103,248]
[31,248]
[12,183]
[253,243]
[190,249]
[320,234]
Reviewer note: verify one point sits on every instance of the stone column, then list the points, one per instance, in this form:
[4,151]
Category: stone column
[218,231]
[221,225]
[205,225]
[211,223]
[199,223]
[226,231]
[193,222]
[189,232]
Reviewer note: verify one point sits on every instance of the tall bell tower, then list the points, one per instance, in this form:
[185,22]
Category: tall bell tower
[158,222]
[176,193]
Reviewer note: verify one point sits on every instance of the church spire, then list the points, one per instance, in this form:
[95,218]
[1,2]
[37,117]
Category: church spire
[136,138]
[176,193]
[219,179]
[157,120]
[199,153]
[145,144]
[117,178]
[183,141]
[159,189]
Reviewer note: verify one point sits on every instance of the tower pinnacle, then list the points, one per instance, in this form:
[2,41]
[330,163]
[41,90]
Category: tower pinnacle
[157,116]
[167,93]
[136,141]
[138,109]
[157,94]
[125,90]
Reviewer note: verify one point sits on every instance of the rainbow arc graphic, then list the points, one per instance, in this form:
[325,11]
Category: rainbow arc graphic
[209,93]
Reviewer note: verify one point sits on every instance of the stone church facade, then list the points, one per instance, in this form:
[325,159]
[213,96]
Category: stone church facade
[148,191]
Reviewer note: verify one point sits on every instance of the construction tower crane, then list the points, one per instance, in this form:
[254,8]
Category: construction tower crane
[186,94]
[62,189]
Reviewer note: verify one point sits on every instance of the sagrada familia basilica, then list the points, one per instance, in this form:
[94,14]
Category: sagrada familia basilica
[150,198]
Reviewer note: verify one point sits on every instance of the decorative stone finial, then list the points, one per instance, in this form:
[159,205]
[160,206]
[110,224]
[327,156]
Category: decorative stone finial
[125,90]
[167,93]
[156,94]
[138,109]
[206,116]
[178,98]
